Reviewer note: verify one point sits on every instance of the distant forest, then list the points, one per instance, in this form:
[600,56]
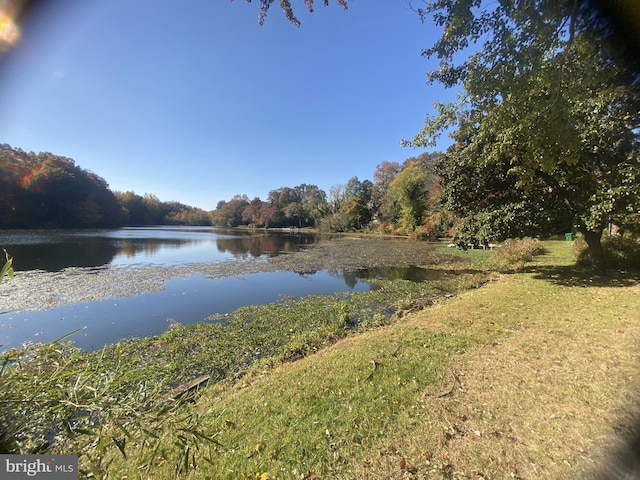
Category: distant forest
[49,191]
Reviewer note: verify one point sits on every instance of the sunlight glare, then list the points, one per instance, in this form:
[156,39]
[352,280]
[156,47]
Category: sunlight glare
[9,31]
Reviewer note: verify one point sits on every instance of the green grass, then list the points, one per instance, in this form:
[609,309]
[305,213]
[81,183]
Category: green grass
[316,415]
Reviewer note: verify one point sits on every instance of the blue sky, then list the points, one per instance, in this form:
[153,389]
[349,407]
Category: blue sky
[199,103]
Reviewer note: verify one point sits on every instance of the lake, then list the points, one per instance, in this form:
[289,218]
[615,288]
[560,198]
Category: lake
[53,250]
[187,294]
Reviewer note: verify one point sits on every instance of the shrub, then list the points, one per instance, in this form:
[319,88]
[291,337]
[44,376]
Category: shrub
[620,251]
[435,225]
[336,222]
[386,228]
[515,253]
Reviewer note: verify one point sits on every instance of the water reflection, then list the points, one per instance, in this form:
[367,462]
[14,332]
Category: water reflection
[265,244]
[133,247]
[53,250]
[52,255]
[185,299]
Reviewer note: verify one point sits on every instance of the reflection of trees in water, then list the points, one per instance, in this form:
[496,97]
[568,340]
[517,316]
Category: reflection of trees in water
[350,279]
[130,247]
[52,257]
[84,251]
[411,273]
[258,245]
[55,250]
[304,273]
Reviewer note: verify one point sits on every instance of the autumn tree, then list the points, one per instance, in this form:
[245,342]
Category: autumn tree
[357,202]
[295,214]
[176,213]
[251,213]
[270,216]
[133,207]
[155,211]
[549,104]
[385,209]
[410,189]
[47,190]
[349,206]
[229,214]
[140,210]
[314,202]
[281,197]
[301,206]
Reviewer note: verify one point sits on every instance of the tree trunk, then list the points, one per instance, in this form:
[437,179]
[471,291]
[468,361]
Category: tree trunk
[593,239]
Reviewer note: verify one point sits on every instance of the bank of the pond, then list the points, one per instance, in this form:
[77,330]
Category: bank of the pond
[63,399]
[535,375]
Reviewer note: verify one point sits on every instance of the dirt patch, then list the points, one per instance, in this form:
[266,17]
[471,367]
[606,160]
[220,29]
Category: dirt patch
[40,290]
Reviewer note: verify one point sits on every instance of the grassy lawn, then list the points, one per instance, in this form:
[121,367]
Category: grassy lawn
[531,376]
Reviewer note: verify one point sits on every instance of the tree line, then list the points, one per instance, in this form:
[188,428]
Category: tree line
[50,191]
[402,199]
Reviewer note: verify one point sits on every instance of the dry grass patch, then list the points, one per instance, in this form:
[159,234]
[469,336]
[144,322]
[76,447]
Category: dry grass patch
[543,400]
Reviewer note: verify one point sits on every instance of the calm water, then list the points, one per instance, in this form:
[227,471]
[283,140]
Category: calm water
[53,250]
[184,299]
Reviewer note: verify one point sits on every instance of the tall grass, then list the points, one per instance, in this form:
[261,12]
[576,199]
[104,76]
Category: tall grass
[516,253]
[7,267]
[6,440]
